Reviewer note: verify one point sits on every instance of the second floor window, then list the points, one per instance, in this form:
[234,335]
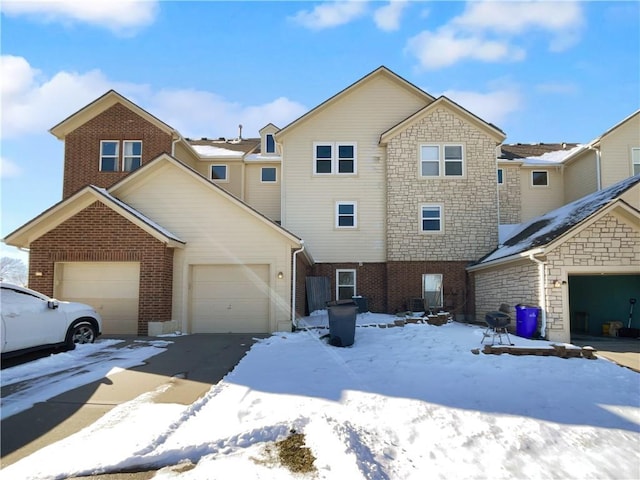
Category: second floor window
[132,156]
[109,154]
[441,160]
[270,143]
[268,175]
[540,178]
[635,160]
[500,176]
[338,157]
[346,215]
[218,172]
[431,218]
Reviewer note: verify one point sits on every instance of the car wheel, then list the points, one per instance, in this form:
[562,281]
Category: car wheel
[81,332]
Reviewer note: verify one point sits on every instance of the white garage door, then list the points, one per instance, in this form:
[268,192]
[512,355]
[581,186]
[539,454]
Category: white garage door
[230,298]
[112,288]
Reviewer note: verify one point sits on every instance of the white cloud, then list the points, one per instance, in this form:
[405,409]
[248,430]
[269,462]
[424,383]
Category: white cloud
[494,106]
[387,18]
[329,15]
[123,17]
[486,31]
[32,104]
[447,47]
[9,169]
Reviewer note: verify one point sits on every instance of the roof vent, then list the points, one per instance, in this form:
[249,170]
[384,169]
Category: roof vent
[204,138]
[240,132]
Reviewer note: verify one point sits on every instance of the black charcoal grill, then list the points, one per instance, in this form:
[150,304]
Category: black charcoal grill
[497,323]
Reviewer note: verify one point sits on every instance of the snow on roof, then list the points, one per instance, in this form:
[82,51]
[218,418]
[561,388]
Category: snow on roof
[551,158]
[139,215]
[210,151]
[540,231]
[262,157]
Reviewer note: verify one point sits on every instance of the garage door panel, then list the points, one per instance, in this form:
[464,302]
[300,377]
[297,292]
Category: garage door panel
[230,298]
[112,288]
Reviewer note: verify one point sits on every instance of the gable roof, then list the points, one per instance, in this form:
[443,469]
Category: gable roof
[98,106]
[489,128]
[62,211]
[544,230]
[380,71]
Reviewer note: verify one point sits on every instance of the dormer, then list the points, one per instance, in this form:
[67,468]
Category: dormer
[268,141]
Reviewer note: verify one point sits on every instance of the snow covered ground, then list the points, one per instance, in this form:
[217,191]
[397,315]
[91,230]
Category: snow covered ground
[408,402]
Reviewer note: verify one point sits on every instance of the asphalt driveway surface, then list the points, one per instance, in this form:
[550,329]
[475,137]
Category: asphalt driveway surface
[191,364]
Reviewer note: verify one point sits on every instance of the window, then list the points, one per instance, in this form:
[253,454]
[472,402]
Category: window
[432,290]
[431,218]
[453,160]
[435,159]
[339,158]
[218,172]
[635,160]
[109,155]
[132,156]
[539,178]
[270,143]
[346,215]
[500,176]
[268,175]
[430,160]
[345,284]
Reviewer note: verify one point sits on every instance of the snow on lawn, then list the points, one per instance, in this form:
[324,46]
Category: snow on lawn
[408,402]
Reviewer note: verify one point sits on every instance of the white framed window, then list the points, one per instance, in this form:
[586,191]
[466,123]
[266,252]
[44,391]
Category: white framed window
[268,175]
[635,161]
[219,172]
[132,155]
[345,284]
[539,178]
[500,176]
[441,160]
[432,290]
[109,155]
[334,158]
[430,218]
[270,143]
[346,215]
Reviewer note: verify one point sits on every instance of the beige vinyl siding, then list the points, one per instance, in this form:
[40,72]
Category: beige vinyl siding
[216,231]
[263,196]
[539,200]
[186,155]
[309,200]
[615,148]
[580,177]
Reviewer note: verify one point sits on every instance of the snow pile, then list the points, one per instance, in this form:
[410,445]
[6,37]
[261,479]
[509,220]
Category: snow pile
[551,158]
[408,402]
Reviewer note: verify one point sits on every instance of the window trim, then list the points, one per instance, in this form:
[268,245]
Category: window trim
[546,172]
[442,161]
[354,285]
[500,174]
[226,172]
[124,156]
[440,218]
[635,161]
[354,204]
[116,157]
[262,180]
[334,159]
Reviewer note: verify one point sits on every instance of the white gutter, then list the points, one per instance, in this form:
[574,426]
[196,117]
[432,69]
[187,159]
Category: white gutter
[542,297]
[293,288]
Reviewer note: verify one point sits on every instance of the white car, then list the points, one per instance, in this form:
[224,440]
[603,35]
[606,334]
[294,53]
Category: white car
[32,321]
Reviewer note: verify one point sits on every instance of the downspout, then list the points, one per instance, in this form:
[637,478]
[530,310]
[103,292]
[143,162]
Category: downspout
[598,167]
[542,296]
[173,145]
[294,323]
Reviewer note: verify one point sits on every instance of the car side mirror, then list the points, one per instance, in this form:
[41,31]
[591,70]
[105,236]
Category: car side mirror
[52,304]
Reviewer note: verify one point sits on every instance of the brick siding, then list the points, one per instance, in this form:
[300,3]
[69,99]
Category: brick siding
[98,234]
[82,147]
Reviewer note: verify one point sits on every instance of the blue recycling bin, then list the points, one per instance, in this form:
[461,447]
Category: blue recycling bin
[526,320]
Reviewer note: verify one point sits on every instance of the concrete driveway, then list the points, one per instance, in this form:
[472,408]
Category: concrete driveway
[623,351]
[191,364]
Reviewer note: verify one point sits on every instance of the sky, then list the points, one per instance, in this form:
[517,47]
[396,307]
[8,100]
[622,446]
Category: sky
[542,71]
[401,403]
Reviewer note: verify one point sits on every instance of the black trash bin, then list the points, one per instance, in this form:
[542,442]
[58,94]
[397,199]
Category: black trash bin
[362,303]
[342,323]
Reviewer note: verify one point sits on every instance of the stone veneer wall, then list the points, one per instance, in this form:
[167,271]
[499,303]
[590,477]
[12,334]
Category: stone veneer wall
[510,195]
[469,203]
